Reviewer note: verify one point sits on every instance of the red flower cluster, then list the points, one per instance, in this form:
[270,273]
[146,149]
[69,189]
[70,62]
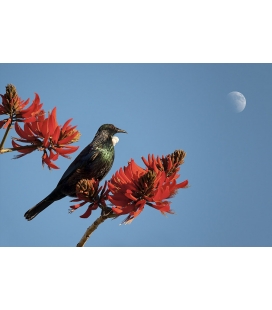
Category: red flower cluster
[41,133]
[133,187]
[16,109]
[46,135]
[90,192]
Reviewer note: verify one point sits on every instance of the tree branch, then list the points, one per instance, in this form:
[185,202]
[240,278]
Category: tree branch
[94,226]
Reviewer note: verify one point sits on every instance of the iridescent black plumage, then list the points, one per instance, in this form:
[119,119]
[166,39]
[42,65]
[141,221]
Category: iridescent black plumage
[95,161]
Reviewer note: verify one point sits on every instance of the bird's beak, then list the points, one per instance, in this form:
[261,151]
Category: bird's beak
[120,130]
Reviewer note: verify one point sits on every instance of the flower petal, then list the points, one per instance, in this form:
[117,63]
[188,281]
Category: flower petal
[52,122]
[63,129]
[20,131]
[89,210]
[182,184]
[7,123]
[67,150]
[56,134]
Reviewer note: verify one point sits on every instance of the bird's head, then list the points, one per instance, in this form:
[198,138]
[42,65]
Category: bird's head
[108,131]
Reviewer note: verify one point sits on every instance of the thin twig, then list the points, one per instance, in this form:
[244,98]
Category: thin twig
[11,149]
[5,136]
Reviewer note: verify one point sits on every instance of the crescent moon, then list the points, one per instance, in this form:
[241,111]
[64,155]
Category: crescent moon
[236,101]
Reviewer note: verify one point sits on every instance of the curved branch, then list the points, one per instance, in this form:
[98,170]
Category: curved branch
[94,226]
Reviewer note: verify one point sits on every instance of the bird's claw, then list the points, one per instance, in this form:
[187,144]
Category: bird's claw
[105,211]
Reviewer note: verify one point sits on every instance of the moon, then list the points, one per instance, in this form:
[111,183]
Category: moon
[236,101]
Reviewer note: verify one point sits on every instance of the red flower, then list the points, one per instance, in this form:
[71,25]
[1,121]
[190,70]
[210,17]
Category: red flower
[170,163]
[133,187]
[13,106]
[46,135]
[90,192]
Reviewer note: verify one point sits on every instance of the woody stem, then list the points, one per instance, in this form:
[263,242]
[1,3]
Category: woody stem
[90,230]
[94,226]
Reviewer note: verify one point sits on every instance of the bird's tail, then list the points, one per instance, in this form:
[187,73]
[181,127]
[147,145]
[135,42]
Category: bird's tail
[39,207]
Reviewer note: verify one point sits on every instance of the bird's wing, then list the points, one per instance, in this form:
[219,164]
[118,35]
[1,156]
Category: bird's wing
[87,155]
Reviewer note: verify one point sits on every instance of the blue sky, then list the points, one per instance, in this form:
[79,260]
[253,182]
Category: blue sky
[163,107]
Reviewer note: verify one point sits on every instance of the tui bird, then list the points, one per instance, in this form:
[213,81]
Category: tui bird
[95,161]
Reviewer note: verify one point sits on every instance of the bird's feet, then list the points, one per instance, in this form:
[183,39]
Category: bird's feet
[107,212]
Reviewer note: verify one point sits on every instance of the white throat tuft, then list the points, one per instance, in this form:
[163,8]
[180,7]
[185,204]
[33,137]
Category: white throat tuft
[115,140]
